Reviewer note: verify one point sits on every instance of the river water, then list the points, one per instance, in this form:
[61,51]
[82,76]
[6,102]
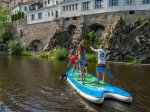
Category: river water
[29,84]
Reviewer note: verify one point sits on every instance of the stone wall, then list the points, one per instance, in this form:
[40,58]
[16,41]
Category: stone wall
[44,32]
[26,34]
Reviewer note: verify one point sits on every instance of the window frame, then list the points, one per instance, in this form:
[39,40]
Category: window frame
[86,6]
[99,4]
[40,16]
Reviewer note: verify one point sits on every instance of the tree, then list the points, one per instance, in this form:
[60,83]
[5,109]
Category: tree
[5,32]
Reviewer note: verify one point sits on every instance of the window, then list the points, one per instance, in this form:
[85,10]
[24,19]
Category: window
[76,6]
[64,8]
[73,7]
[48,14]
[145,1]
[113,3]
[45,3]
[69,7]
[39,15]
[52,13]
[98,4]
[131,12]
[86,6]
[33,17]
[48,1]
[74,18]
[25,8]
[67,19]
[129,2]
[56,2]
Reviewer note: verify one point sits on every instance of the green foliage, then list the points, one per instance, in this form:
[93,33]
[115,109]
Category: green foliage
[18,16]
[43,55]
[3,19]
[59,53]
[90,39]
[5,33]
[5,36]
[12,17]
[91,57]
[25,53]
[14,48]
[130,60]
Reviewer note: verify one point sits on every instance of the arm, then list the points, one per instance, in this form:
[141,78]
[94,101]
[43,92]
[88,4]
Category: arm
[68,63]
[92,48]
[95,50]
[79,55]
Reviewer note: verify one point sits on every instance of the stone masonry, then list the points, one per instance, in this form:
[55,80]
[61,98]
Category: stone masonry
[44,32]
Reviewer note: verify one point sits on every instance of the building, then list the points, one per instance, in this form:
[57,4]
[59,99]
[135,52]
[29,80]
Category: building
[56,9]
[26,7]
[5,3]
[14,3]
[49,12]
[71,8]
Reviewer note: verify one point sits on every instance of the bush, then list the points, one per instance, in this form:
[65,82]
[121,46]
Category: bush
[18,16]
[91,57]
[6,36]
[14,48]
[130,60]
[59,53]
[43,55]
[25,53]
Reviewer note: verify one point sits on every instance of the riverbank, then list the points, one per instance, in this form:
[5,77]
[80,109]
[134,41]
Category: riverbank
[49,56]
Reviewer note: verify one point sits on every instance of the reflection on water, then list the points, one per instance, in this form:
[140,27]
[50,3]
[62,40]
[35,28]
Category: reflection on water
[32,84]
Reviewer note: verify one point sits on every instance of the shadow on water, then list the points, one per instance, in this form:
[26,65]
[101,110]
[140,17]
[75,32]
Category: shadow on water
[32,84]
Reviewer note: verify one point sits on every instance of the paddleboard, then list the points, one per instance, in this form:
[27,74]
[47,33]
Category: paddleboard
[94,92]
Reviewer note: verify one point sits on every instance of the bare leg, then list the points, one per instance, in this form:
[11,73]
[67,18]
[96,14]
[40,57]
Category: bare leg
[82,73]
[85,69]
[103,75]
[98,76]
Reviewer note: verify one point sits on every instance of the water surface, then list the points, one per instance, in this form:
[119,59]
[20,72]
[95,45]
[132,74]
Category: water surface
[29,84]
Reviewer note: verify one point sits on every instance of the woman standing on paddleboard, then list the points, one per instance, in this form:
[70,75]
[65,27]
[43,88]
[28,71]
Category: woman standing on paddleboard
[82,60]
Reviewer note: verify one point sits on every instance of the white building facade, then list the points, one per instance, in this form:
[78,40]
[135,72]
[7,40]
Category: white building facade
[55,9]
[22,7]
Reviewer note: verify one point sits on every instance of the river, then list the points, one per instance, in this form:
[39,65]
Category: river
[29,84]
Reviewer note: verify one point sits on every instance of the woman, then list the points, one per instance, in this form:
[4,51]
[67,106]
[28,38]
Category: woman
[82,61]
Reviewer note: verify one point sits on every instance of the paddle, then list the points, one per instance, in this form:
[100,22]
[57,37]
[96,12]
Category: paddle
[64,77]
[110,74]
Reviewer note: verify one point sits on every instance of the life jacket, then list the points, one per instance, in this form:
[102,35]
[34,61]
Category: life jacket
[74,59]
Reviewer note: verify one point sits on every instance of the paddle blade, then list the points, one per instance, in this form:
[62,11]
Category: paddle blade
[64,77]
[110,75]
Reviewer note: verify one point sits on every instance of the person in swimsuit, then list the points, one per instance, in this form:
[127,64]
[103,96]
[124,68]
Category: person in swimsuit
[73,60]
[82,61]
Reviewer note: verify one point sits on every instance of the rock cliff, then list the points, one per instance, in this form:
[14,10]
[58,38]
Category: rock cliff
[125,42]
